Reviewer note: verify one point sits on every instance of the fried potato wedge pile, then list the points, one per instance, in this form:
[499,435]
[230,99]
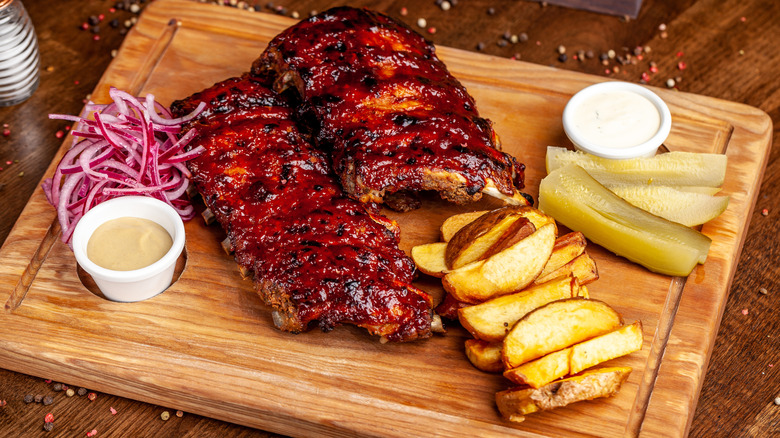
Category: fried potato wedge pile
[519,289]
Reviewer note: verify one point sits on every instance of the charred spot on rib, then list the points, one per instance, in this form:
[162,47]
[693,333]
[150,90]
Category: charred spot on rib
[317,187]
[268,127]
[411,161]
[368,81]
[404,120]
[313,243]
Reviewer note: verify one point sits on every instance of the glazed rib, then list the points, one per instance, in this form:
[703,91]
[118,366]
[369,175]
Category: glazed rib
[395,121]
[318,257]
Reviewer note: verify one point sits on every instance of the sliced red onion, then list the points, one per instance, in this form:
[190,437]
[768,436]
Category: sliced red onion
[128,147]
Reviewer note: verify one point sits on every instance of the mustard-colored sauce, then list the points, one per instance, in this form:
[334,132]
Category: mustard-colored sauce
[128,243]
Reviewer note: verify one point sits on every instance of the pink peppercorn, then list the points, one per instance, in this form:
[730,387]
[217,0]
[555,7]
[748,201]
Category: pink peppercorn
[682,65]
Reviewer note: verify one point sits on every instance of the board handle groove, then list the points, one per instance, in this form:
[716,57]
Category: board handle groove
[154,57]
[655,357]
[32,268]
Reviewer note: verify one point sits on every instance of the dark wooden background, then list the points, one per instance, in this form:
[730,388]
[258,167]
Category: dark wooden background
[720,48]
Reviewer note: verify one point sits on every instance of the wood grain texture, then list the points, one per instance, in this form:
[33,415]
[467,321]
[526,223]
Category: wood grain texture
[210,327]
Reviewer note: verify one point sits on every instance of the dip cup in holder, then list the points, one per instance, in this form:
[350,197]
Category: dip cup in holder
[138,284]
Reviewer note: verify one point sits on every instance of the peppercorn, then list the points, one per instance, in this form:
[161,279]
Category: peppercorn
[165,415]
[480,46]
[57,387]
[70,392]
[82,391]
[48,426]
[29,398]
[93,20]
[491,11]
[48,400]
[562,57]
[38,398]
[91,396]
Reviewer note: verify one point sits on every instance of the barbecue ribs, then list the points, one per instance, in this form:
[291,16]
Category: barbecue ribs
[318,257]
[393,118]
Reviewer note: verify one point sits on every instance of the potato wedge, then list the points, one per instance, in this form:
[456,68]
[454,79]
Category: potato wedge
[578,357]
[429,258]
[474,240]
[485,356]
[582,267]
[492,319]
[556,326]
[515,403]
[617,343]
[454,223]
[510,270]
[566,249]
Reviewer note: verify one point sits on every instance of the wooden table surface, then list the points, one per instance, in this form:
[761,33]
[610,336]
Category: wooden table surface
[724,49]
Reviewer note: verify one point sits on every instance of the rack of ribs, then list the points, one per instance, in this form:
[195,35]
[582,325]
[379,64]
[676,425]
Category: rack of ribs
[393,118]
[318,257]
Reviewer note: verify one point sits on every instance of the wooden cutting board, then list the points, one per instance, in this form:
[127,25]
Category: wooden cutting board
[207,344]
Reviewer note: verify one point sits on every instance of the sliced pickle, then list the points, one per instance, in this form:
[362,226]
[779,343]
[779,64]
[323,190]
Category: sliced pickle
[688,208]
[578,201]
[670,169]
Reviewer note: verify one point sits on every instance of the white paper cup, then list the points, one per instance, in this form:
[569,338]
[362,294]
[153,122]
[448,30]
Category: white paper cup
[139,284]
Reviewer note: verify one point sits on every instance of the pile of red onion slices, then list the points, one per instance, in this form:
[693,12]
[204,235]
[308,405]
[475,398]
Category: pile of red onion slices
[128,147]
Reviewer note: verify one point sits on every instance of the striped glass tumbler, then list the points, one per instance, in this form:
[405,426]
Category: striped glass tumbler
[19,58]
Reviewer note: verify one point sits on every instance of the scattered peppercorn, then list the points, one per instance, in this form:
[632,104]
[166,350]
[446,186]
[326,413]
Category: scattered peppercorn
[112,410]
[57,387]
[48,400]
[523,37]
[165,415]
[445,6]
[562,57]
[48,426]
[561,49]
[82,391]
[480,46]
[29,398]
[49,418]
[38,398]
[179,414]
[422,22]
[491,11]
[70,392]
[777,401]
[763,291]
[3,403]
[765,212]
[91,396]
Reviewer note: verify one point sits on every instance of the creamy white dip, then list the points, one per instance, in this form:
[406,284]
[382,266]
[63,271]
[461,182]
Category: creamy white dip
[616,119]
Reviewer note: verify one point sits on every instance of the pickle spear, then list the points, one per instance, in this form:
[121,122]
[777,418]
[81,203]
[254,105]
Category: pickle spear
[575,199]
[670,169]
